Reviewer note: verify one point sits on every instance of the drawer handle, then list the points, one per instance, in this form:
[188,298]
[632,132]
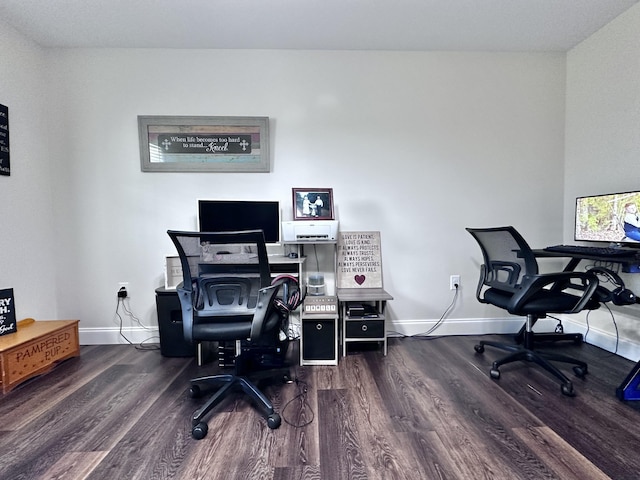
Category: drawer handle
[364,328]
[319,326]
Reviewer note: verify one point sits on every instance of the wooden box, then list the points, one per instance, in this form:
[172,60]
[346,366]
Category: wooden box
[35,349]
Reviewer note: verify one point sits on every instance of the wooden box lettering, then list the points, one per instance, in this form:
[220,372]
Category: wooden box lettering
[35,349]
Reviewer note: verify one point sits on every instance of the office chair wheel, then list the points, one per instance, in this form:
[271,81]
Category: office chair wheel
[194,391]
[567,389]
[200,431]
[273,421]
[579,371]
[495,373]
[479,348]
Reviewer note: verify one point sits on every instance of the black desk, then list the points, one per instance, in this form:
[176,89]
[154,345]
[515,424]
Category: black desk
[629,389]
[575,258]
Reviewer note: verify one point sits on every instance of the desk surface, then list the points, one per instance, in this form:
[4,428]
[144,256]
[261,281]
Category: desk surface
[632,258]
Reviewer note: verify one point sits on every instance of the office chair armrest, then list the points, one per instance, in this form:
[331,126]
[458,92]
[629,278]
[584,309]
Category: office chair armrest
[481,284]
[185,296]
[264,307]
[559,282]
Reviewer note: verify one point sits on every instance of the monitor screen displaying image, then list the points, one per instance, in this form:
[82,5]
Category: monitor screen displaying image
[611,218]
[238,215]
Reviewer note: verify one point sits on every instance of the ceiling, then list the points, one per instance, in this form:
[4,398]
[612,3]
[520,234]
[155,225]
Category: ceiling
[414,25]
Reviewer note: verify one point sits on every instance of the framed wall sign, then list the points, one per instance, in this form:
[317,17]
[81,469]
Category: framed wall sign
[359,260]
[312,203]
[7,312]
[204,144]
[5,168]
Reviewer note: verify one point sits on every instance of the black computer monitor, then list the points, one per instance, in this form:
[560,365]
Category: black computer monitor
[237,215]
[611,218]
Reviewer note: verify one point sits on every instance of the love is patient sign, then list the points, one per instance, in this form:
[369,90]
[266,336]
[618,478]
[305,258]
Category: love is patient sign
[359,260]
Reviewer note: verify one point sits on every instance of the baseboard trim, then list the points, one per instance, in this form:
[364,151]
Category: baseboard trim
[465,326]
[458,326]
[511,325]
[116,336]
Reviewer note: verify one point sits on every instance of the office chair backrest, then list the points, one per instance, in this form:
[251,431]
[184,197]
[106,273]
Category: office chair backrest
[234,253]
[507,257]
[222,276]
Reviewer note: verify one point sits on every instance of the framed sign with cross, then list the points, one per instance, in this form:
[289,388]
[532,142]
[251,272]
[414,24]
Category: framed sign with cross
[204,144]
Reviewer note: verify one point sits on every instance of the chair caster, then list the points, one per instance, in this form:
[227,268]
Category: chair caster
[580,372]
[273,421]
[200,431]
[567,389]
[479,348]
[494,373]
[194,391]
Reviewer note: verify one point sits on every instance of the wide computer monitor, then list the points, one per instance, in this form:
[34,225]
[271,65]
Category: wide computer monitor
[612,218]
[237,215]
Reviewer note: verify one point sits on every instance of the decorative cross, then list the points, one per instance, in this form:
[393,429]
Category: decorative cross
[244,144]
[166,144]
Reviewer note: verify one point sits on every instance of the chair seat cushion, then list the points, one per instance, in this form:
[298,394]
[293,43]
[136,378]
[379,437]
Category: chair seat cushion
[545,301]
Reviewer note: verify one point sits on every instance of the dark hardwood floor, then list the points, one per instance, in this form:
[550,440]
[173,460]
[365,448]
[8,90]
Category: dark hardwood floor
[428,410]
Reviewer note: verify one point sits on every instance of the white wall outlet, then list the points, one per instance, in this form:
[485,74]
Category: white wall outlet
[454,280]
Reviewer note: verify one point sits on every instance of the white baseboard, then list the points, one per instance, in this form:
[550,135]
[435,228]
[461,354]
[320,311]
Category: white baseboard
[510,325]
[607,341]
[465,326]
[458,326]
[112,336]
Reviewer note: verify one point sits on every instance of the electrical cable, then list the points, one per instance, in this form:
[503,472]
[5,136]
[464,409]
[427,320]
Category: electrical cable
[302,396]
[442,317]
[615,325]
[130,314]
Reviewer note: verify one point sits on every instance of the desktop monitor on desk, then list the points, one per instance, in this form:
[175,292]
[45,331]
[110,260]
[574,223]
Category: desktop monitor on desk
[611,218]
[236,215]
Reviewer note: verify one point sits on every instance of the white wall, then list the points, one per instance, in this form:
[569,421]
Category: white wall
[27,255]
[603,137]
[416,145]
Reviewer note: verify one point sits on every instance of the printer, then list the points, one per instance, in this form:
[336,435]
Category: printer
[312,231]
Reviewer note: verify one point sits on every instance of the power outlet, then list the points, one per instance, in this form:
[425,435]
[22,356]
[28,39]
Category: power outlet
[123,287]
[454,282]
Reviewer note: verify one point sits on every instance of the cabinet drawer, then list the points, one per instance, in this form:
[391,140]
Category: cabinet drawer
[364,329]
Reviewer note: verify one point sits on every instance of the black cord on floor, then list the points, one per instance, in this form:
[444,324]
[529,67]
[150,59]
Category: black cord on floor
[303,406]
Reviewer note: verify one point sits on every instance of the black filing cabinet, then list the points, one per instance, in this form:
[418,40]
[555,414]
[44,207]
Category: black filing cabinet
[172,342]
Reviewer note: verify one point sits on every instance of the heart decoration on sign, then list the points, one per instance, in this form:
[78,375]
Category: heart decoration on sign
[359,279]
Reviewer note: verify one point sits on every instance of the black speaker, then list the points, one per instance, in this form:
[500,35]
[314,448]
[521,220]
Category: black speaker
[172,342]
[319,342]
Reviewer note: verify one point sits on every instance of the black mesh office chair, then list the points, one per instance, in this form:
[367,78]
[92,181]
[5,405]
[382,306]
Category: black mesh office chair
[509,279]
[226,296]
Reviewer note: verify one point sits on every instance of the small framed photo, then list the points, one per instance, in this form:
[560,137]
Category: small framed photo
[313,204]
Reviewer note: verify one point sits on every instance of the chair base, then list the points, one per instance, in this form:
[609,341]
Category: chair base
[227,384]
[557,336]
[543,359]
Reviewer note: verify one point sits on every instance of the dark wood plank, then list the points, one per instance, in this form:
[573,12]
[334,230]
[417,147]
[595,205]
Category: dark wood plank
[427,410]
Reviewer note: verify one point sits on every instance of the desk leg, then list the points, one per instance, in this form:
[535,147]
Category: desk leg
[628,389]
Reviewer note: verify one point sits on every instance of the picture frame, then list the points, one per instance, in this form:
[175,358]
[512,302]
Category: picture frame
[312,203]
[204,144]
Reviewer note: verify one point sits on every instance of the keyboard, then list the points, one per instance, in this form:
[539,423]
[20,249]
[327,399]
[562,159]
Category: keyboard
[592,251]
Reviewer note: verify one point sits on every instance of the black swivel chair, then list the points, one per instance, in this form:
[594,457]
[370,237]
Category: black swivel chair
[509,279]
[226,296]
